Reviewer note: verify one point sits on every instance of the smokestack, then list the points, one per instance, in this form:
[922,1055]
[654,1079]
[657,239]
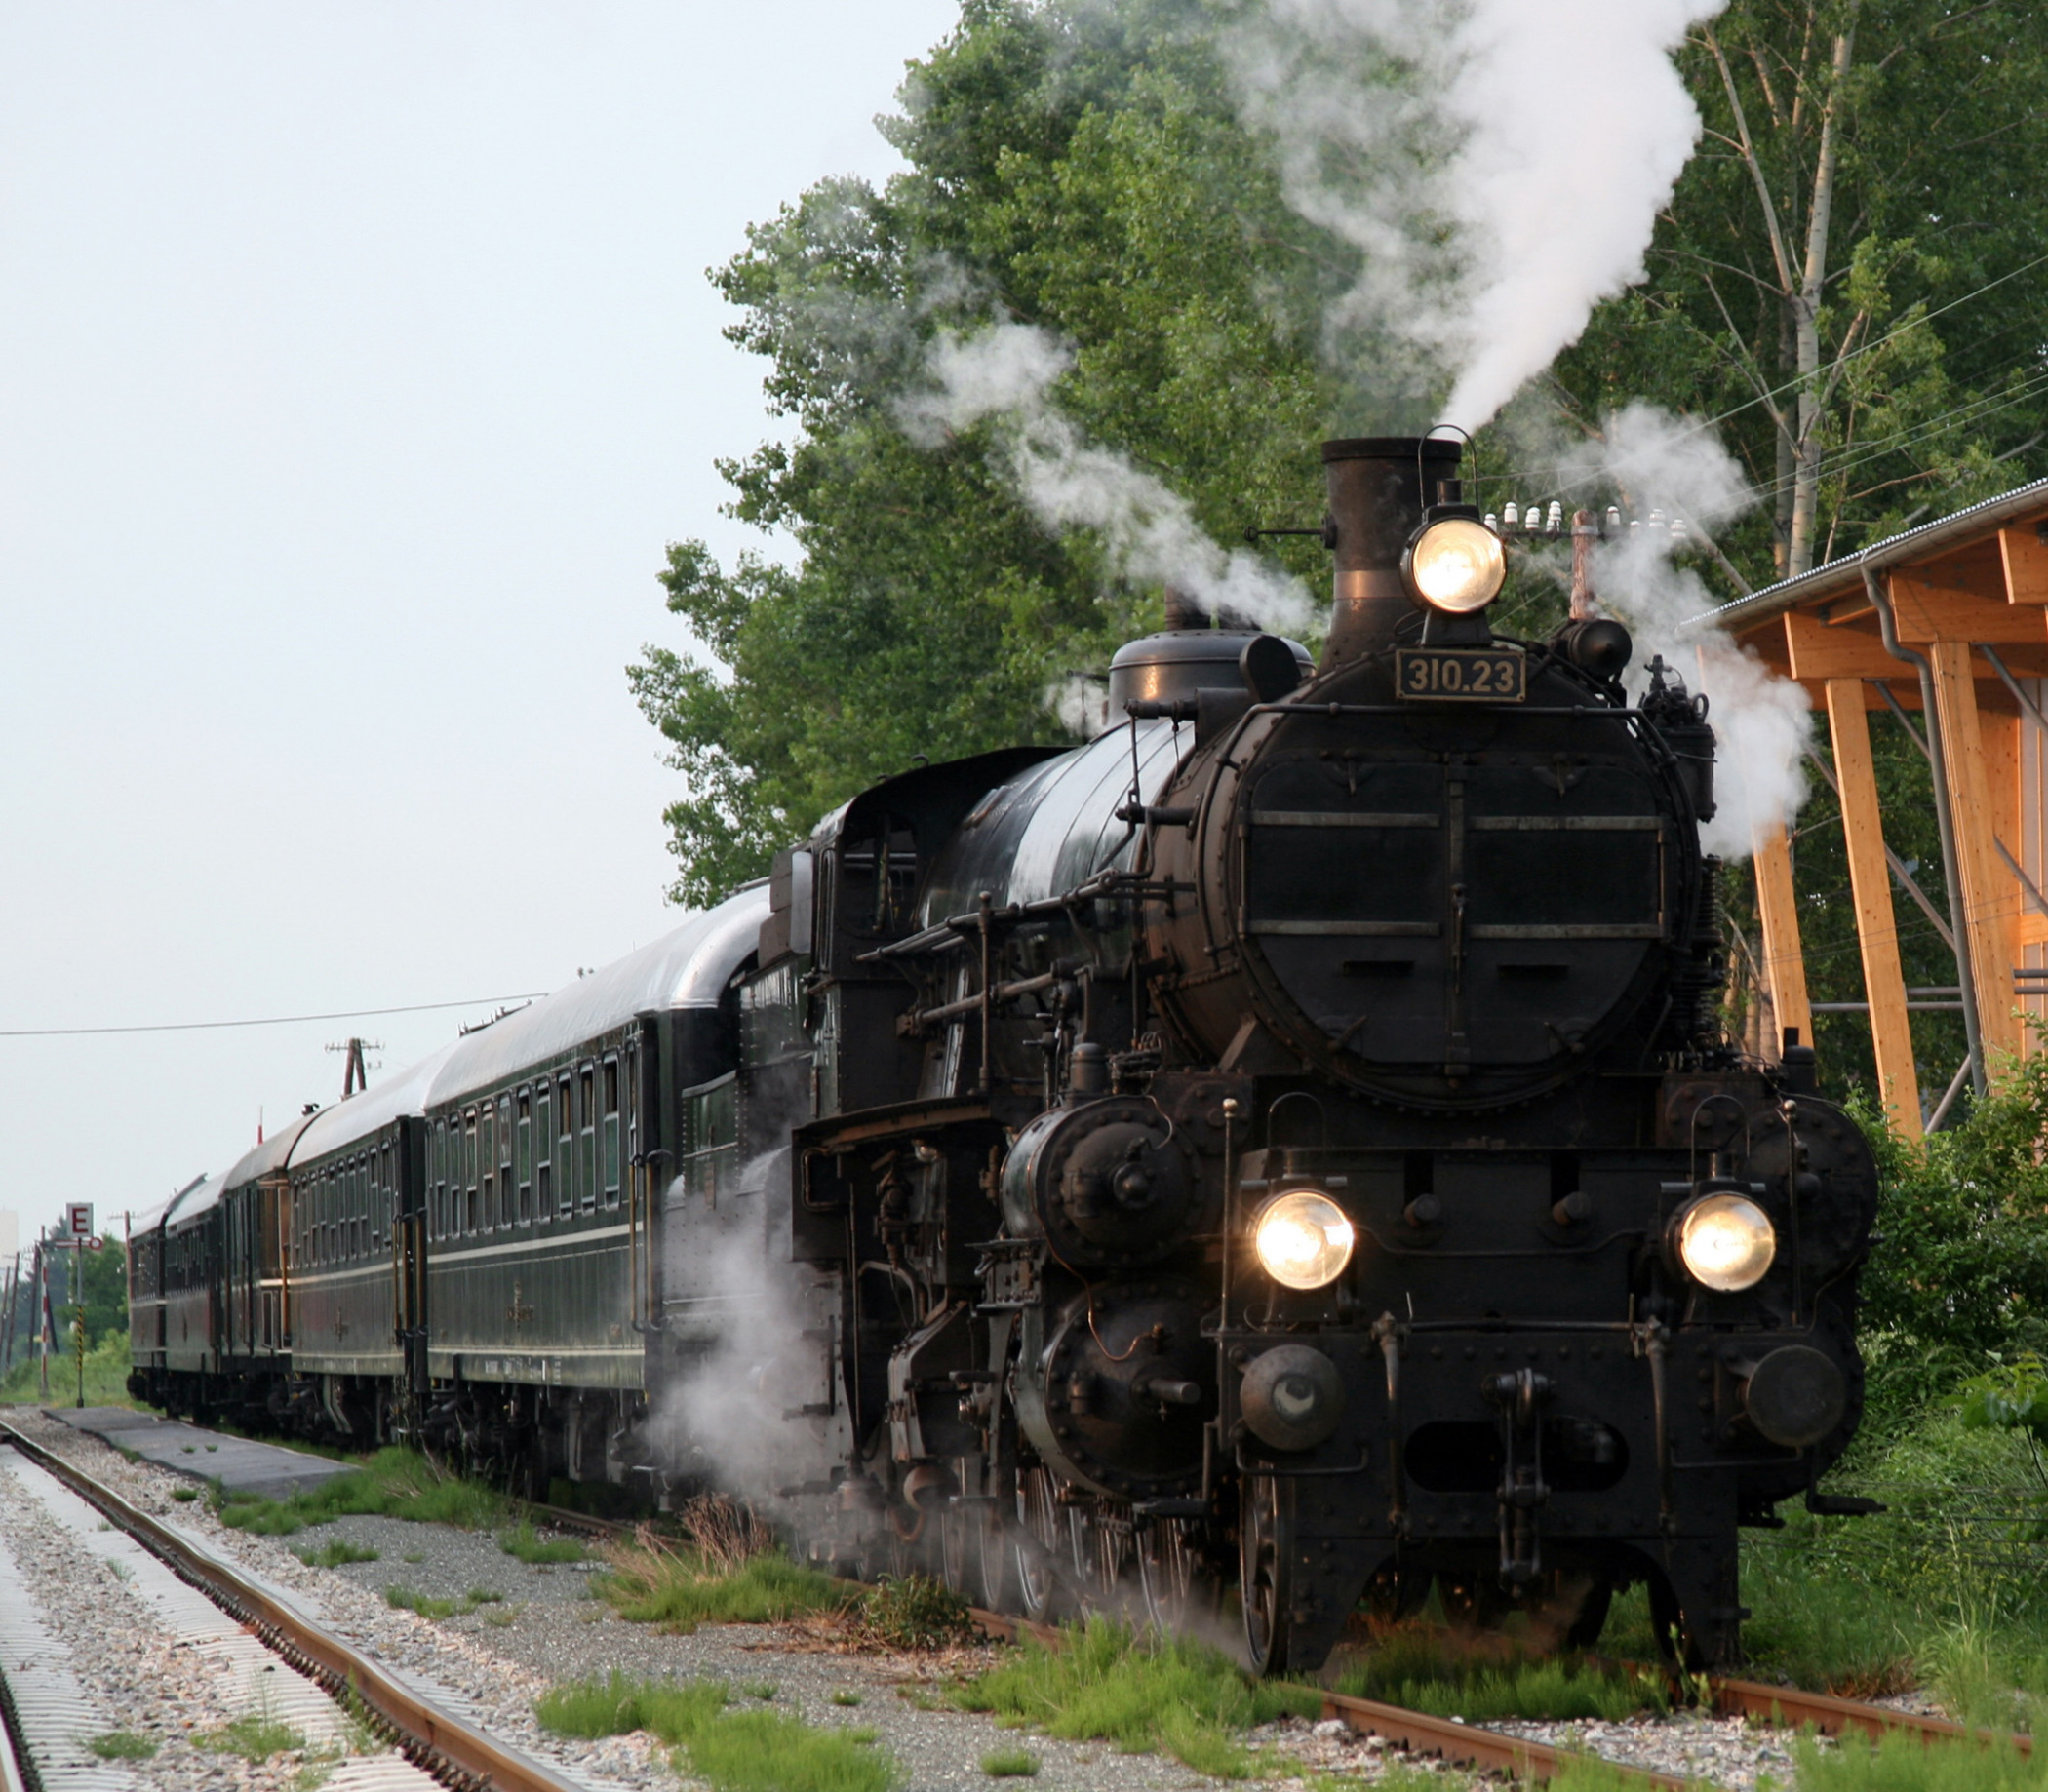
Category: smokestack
[1378,486]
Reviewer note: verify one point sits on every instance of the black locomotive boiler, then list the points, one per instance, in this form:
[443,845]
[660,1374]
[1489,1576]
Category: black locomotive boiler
[1289,1142]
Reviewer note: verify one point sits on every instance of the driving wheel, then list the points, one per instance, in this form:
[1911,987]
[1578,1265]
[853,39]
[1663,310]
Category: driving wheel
[1266,1549]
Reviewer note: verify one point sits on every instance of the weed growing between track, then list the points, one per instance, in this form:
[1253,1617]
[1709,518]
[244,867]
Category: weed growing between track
[1174,1696]
[122,1745]
[750,1750]
[1484,1679]
[395,1483]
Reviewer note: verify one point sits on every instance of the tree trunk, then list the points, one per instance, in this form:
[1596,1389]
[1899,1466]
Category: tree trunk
[1806,316]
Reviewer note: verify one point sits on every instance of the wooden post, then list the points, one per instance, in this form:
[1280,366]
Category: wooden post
[1990,898]
[1784,963]
[1876,924]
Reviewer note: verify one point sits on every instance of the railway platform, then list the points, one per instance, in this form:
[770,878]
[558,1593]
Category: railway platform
[240,1464]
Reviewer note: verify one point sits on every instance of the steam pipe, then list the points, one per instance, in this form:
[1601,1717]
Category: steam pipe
[1378,486]
[1880,595]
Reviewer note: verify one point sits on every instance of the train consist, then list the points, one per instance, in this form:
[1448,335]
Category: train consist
[1287,1144]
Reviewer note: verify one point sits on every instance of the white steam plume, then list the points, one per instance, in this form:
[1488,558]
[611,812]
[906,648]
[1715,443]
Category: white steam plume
[1656,461]
[1005,372]
[1499,166]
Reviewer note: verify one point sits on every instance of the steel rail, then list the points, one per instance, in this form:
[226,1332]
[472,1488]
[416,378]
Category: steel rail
[1831,1716]
[18,1769]
[1490,1750]
[453,1751]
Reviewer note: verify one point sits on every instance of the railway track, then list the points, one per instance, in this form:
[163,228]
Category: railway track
[460,1755]
[442,1743]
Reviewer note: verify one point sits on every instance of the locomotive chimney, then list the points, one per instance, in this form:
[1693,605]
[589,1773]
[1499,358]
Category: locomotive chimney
[1378,486]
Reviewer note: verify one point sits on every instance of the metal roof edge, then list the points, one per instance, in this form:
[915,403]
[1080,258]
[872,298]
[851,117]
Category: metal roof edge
[1848,571]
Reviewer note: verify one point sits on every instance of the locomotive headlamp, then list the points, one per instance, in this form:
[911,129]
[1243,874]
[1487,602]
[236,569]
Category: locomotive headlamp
[1726,1241]
[1455,564]
[1303,1239]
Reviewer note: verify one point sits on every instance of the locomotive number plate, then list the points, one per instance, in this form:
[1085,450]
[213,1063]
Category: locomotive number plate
[1461,674]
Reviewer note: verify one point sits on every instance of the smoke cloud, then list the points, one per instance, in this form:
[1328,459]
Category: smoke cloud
[1004,373]
[1499,169]
[1650,460]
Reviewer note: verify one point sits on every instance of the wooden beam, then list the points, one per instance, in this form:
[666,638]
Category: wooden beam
[1784,960]
[2025,557]
[1850,651]
[1937,612]
[1876,923]
[1987,908]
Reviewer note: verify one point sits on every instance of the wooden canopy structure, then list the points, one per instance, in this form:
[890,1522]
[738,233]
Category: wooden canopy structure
[1950,617]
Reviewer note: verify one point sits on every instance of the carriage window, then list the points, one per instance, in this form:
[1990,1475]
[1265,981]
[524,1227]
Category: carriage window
[611,1138]
[543,1143]
[437,1182]
[470,1213]
[586,1138]
[487,1169]
[525,1163]
[565,1146]
[507,1199]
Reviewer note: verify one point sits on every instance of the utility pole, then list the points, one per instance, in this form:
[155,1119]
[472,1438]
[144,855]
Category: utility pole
[355,1077]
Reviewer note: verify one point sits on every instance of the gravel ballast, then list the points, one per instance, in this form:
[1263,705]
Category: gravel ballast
[545,1625]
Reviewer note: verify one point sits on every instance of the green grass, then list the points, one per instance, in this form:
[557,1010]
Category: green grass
[758,1688]
[736,1751]
[394,1483]
[336,1554]
[846,1697]
[410,1599]
[122,1745]
[1011,1764]
[916,1612]
[254,1736]
[1903,1763]
[1174,1696]
[524,1543]
[1426,1672]
[185,1495]
[106,1367]
[678,1590]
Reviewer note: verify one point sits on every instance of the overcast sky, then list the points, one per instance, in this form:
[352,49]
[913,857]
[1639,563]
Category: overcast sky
[356,366]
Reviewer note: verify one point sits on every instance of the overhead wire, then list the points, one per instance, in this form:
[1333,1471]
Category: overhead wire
[271,1020]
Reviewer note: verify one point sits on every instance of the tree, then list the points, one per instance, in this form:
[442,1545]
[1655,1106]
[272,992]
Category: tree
[1834,280]
[1093,180]
[1861,198]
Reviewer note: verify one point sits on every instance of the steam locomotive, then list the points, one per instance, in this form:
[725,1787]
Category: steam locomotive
[1285,1148]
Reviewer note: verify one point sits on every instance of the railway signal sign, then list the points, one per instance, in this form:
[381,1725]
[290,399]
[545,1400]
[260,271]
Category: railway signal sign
[78,1220]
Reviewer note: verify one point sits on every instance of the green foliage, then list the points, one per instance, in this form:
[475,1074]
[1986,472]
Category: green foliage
[743,1751]
[106,1368]
[916,1612]
[395,1483]
[1961,1276]
[185,1496]
[1171,1695]
[122,1745]
[1011,1764]
[678,1589]
[844,1695]
[336,1554]
[1077,168]
[524,1543]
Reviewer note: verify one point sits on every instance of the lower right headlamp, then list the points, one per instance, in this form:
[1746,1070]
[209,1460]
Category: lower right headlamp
[1725,1241]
